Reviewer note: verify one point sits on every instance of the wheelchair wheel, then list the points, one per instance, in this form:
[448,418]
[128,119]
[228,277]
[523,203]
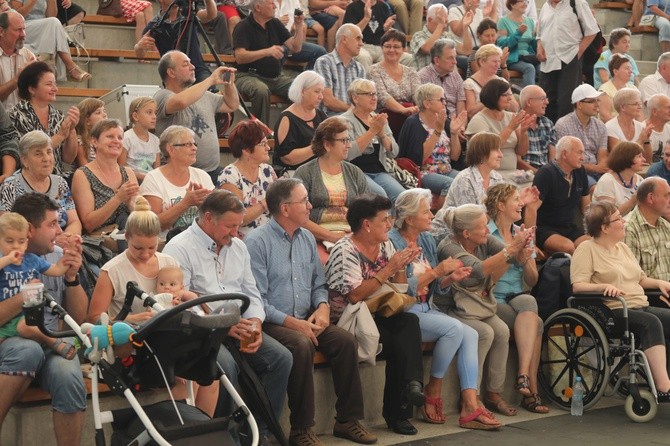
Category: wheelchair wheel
[646,411]
[573,344]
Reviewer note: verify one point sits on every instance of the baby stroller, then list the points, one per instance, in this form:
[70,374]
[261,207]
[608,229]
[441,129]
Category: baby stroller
[173,343]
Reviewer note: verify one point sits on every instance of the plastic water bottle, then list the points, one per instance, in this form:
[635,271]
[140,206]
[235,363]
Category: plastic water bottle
[577,404]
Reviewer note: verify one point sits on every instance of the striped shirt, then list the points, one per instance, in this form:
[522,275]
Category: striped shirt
[337,76]
[650,244]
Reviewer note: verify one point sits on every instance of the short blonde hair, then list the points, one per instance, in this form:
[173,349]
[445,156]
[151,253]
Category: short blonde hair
[170,269]
[425,92]
[486,51]
[14,221]
[625,96]
[462,218]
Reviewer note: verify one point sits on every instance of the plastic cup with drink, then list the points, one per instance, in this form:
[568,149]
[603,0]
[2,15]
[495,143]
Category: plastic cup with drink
[250,338]
[33,294]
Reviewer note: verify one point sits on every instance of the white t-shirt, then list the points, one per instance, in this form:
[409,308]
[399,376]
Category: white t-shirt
[658,140]
[609,186]
[456,15]
[155,184]
[141,154]
[614,130]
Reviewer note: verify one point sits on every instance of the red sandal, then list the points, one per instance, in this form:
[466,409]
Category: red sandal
[438,417]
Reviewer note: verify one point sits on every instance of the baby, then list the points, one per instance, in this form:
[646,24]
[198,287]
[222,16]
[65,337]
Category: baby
[17,267]
[170,279]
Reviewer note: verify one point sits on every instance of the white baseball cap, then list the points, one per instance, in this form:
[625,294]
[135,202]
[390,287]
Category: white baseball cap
[585,91]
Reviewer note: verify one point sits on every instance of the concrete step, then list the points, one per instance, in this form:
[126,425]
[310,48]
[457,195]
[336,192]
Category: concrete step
[644,47]
[608,19]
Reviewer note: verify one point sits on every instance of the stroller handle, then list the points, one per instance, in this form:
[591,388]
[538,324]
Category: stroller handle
[148,327]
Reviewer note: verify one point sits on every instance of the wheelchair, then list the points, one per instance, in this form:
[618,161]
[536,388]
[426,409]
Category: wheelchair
[586,340]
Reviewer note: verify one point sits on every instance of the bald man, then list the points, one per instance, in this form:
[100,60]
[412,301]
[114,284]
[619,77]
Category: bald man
[541,135]
[13,56]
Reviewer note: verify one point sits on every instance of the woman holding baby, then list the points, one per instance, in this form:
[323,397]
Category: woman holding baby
[141,263]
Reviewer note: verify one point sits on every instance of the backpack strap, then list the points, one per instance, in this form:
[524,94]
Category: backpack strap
[579,20]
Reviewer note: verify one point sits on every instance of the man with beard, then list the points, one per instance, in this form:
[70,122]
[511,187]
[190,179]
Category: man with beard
[183,102]
[13,56]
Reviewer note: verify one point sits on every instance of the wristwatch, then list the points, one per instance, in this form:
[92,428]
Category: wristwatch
[72,283]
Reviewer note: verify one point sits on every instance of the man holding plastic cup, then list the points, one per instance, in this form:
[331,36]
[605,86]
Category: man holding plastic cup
[22,360]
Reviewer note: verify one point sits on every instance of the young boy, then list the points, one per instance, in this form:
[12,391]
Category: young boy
[18,268]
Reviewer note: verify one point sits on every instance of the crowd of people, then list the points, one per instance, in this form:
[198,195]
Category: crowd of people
[388,169]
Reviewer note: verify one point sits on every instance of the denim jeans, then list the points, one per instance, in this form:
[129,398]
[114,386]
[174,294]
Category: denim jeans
[385,184]
[450,336]
[59,376]
[272,363]
[309,53]
[438,183]
[527,70]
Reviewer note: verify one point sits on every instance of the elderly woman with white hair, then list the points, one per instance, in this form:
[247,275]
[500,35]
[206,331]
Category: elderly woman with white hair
[175,190]
[295,127]
[488,58]
[425,138]
[373,143]
[626,127]
[36,175]
[473,300]
[426,278]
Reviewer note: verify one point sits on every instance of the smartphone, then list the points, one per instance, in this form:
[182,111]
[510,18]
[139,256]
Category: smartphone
[297,12]
[225,76]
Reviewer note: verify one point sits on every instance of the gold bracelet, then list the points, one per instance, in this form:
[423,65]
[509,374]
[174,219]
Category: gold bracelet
[378,280]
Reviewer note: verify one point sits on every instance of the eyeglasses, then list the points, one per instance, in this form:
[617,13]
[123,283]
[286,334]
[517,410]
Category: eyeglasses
[304,201]
[263,143]
[185,144]
[372,94]
[442,100]
[588,101]
[344,141]
[392,47]
[540,98]
[620,218]
[636,104]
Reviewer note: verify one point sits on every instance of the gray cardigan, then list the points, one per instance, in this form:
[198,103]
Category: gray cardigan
[310,174]
[357,129]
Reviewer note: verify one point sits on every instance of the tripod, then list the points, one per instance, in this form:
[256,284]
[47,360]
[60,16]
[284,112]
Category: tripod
[190,13]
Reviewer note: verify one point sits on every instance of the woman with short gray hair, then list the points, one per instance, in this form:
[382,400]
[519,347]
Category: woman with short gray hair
[175,190]
[373,143]
[295,127]
[36,175]
[425,138]
[625,126]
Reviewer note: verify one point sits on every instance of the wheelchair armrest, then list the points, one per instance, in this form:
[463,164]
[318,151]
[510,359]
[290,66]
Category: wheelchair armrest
[598,296]
[656,298]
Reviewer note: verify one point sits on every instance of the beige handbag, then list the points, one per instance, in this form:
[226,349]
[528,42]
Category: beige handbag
[389,301]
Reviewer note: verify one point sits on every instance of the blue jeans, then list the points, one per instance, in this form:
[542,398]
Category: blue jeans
[59,376]
[309,53]
[450,337]
[438,183]
[527,70]
[272,363]
[384,184]
[663,26]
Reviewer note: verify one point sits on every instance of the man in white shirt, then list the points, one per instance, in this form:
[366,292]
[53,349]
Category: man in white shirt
[659,116]
[560,46]
[659,82]
[13,56]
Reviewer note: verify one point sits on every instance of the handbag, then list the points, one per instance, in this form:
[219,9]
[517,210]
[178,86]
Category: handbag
[389,301]
[110,8]
[404,177]
[357,320]
[648,20]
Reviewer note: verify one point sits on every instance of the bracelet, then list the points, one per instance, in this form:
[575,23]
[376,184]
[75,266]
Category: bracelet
[72,283]
[508,258]
[378,280]
[436,133]
[503,67]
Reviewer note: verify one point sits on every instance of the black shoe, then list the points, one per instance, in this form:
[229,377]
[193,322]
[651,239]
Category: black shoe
[402,427]
[663,397]
[413,394]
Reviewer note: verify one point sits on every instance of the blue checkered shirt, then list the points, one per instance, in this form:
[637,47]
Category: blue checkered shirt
[539,141]
[337,76]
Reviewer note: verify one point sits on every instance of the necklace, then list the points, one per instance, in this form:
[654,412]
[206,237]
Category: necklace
[626,185]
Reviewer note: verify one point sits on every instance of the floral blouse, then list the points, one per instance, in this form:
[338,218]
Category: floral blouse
[25,120]
[347,268]
[402,91]
[252,193]
[440,160]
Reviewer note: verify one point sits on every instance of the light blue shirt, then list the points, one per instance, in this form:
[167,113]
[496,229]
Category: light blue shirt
[288,271]
[512,281]
[206,273]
